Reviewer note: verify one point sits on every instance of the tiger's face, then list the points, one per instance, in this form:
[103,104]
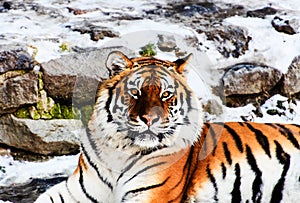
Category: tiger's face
[147,104]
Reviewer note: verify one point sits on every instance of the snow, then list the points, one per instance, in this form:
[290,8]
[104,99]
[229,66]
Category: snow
[45,34]
[289,113]
[276,49]
[22,171]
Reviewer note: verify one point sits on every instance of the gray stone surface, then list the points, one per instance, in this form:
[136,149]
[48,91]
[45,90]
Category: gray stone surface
[166,43]
[291,82]
[77,75]
[17,91]
[52,137]
[285,26]
[245,79]
[15,60]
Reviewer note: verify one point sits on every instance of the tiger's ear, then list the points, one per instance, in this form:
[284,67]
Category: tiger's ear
[117,62]
[181,64]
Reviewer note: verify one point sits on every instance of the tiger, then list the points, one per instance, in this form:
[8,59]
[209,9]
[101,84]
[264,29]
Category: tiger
[146,141]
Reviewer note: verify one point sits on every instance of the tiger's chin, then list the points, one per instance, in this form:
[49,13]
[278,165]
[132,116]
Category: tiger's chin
[147,139]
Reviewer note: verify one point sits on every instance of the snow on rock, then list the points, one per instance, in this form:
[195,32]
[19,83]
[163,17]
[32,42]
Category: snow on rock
[250,79]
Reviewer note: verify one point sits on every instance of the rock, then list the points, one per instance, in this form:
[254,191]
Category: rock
[230,40]
[262,12]
[166,43]
[18,91]
[193,8]
[243,79]
[291,80]
[51,137]
[46,10]
[15,60]
[75,77]
[96,32]
[285,26]
[7,5]
[29,191]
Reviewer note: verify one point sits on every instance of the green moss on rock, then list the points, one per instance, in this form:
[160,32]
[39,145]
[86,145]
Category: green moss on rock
[46,116]
[22,113]
[55,111]
[69,112]
[46,108]
[34,114]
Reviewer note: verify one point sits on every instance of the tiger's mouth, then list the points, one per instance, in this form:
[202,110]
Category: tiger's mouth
[146,138]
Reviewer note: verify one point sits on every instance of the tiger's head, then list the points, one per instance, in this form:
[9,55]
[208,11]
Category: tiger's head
[146,104]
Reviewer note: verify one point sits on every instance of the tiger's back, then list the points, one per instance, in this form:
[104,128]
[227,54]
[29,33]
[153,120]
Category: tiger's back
[146,142]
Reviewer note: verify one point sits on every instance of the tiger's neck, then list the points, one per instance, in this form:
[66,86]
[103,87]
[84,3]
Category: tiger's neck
[115,155]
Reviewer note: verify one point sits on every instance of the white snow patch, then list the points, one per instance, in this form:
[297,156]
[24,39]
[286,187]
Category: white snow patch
[22,171]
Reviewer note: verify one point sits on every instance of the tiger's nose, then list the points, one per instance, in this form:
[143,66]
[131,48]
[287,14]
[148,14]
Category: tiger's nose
[149,119]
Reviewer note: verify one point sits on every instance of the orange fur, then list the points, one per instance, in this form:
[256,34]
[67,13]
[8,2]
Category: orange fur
[81,164]
[247,138]
[183,183]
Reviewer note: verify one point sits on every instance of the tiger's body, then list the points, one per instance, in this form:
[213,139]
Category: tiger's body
[146,142]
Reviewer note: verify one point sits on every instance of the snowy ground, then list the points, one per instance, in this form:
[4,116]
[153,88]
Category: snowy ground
[47,34]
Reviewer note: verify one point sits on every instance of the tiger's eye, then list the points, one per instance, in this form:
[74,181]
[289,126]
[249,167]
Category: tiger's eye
[134,92]
[166,94]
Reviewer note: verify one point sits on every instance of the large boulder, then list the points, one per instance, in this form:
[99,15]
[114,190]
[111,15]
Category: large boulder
[291,82]
[246,78]
[76,76]
[17,89]
[51,137]
[18,82]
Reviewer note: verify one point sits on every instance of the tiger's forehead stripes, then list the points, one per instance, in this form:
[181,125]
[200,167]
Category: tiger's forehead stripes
[145,61]
[151,75]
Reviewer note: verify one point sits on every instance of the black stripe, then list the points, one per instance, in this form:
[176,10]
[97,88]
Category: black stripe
[189,171]
[261,138]
[115,106]
[186,171]
[241,124]
[296,125]
[223,170]
[108,184]
[61,198]
[227,153]
[284,159]
[236,137]
[51,199]
[141,71]
[272,125]
[108,102]
[92,199]
[165,71]
[257,183]
[289,135]
[143,170]
[186,168]
[181,97]
[128,167]
[66,185]
[188,94]
[236,192]
[142,189]
[213,181]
